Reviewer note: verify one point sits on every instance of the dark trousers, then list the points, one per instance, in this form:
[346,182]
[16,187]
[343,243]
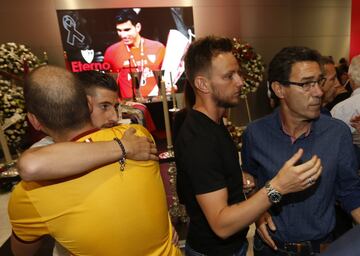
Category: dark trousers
[262,249]
[191,252]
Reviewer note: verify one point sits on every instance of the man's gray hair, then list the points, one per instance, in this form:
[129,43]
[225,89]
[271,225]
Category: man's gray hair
[354,70]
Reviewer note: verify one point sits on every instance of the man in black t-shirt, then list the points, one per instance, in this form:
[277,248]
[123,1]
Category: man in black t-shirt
[209,175]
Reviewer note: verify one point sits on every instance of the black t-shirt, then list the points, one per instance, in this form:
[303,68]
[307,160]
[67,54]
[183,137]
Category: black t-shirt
[207,160]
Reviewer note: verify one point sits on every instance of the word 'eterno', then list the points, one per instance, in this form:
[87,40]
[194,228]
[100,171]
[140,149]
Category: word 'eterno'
[78,66]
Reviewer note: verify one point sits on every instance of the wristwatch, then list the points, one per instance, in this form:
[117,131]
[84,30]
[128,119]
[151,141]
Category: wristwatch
[273,195]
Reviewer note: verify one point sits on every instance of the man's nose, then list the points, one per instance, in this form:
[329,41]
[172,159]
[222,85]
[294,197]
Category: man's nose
[122,34]
[240,80]
[113,115]
[317,91]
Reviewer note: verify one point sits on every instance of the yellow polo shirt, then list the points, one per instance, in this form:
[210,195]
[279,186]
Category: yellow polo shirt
[103,212]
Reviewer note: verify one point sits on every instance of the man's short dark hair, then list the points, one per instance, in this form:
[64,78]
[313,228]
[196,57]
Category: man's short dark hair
[93,79]
[326,60]
[280,66]
[125,15]
[199,56]
[57,100]
[343,61]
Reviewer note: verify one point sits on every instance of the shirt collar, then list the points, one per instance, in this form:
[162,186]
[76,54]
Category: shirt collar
[84,134]
[356,91]
[282,127]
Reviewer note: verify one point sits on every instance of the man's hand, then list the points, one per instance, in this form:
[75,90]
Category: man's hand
[20,248]
[293,177]
[355,122]
[138,148]
[175,237]
[262,224]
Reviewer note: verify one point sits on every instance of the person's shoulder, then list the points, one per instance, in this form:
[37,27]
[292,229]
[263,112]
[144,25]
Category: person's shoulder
[330,123]
[113,47]
[347,103]
[196,125]
[198,120]
[335,111]
[153,43]
[140,130]
[262,123]
[118,131]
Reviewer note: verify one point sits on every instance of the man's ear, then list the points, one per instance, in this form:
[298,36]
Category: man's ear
[138,27]
[201,84]
[90,101]
[278,89]
[34,121]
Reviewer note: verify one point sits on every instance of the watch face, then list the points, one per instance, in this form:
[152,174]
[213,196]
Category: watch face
[274,197]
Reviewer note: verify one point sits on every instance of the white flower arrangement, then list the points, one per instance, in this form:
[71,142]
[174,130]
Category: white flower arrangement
[15,61]
[251,64]
[12,105]
[13,56]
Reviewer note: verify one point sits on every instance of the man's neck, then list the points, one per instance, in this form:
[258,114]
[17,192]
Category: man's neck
[209,109]
[293,126]
[69,135]
[137,42]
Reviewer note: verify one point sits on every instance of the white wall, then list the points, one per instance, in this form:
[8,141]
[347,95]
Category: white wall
[268,25]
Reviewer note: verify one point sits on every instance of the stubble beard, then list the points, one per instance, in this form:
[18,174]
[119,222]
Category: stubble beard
[222,103]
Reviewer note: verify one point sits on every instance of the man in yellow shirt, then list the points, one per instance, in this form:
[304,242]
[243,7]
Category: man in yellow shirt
[118,209]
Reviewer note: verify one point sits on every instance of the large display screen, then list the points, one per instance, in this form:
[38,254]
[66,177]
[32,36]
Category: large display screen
[105,39]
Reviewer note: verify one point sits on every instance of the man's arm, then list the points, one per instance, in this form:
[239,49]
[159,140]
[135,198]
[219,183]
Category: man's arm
[70,158]
[19,248]
[226,220]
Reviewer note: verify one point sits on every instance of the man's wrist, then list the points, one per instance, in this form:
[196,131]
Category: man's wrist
[273,194]
[123,152]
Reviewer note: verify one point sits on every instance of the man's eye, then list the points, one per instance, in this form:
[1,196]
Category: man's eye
[104,107]
[229,76]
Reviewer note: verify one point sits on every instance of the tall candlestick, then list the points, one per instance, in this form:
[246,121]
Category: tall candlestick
[174,108]
[247,108]
[4,146]
[166,116]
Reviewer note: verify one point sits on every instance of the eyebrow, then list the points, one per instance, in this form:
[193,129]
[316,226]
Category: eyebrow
[124,29]
[105,102]
[307,78]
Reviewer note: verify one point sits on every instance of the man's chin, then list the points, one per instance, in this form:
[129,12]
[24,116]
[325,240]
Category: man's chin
[314,115]
[227,104]
[108,125]
[128,42]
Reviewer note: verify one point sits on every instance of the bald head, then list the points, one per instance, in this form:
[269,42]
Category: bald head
[57,100]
